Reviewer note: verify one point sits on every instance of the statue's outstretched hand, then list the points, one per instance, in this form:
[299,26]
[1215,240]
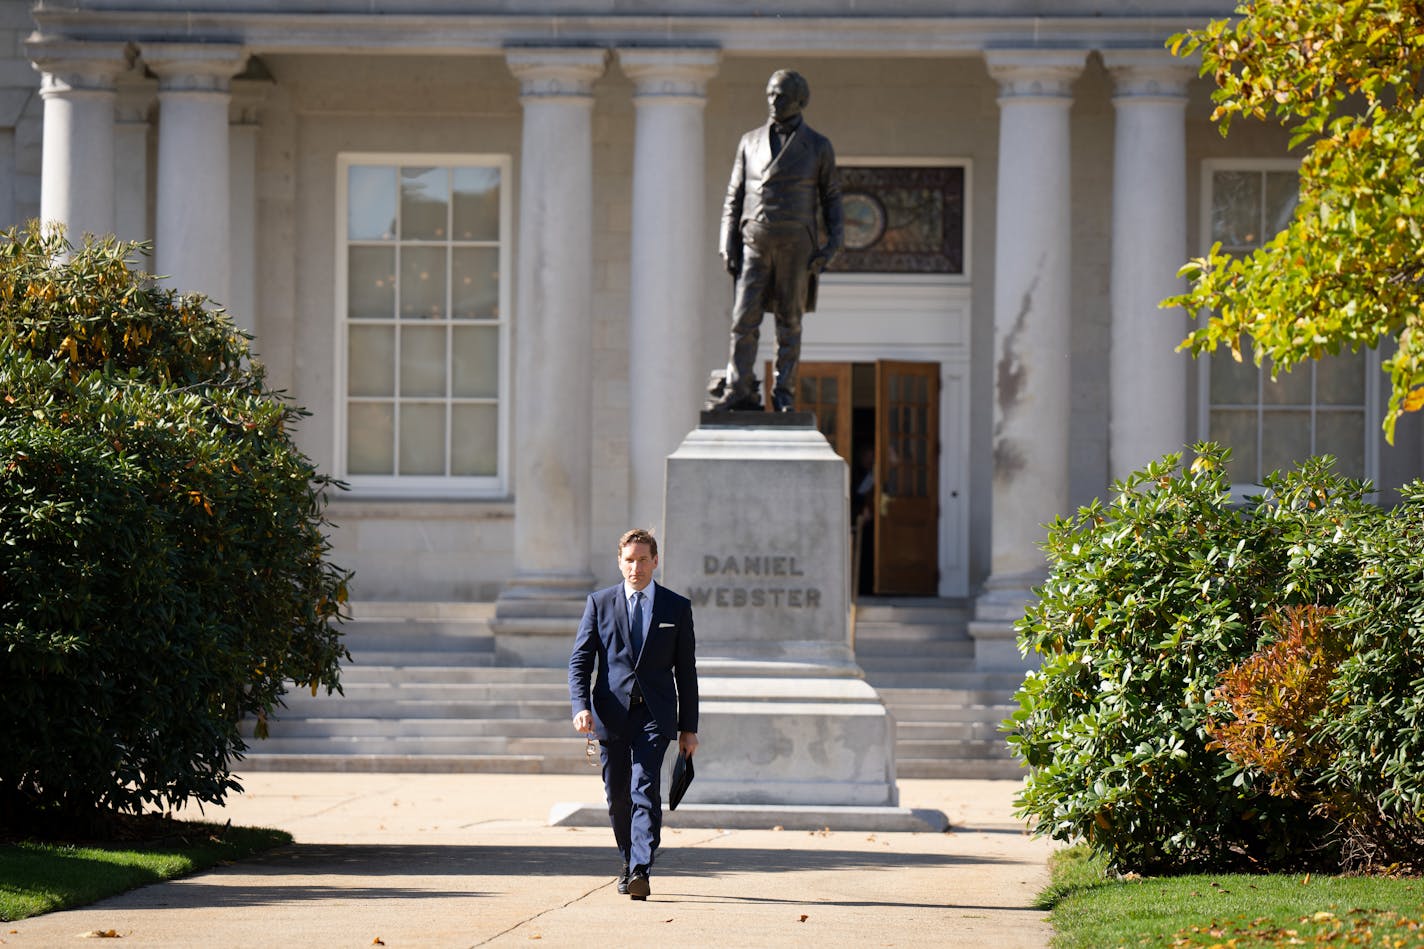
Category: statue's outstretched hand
[733,264]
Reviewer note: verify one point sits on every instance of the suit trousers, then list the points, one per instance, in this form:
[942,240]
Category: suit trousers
[776,261]
[632,778]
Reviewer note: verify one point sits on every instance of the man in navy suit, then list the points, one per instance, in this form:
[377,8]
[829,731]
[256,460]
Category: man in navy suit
[783,191]
[633,682]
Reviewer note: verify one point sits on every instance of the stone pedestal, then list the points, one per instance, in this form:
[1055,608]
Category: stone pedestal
[757,535]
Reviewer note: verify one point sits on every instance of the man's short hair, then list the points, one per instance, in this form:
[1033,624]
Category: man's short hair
[799,85]
[639,536]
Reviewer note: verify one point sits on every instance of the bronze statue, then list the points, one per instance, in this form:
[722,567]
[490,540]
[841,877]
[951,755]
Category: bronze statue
[784,191]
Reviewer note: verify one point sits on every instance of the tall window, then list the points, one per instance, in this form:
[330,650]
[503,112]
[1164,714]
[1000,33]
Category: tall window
[1321,406]
[423,289]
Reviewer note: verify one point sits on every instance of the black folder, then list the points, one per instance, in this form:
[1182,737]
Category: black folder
[681,778]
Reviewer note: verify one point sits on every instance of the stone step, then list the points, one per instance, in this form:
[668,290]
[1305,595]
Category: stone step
[423,764]
[964,769]
[384,728]
[372,659]
[919,695]
[447,745]
[442,690]
[953,720]
[955,655]
[954,748]
[334,706]
[872,634]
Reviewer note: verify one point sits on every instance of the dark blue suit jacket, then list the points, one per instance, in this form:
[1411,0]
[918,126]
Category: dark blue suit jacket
[603,669]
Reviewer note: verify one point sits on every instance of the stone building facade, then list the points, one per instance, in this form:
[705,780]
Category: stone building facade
[477,239]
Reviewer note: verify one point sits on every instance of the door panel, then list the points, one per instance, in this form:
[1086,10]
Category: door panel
[907,478]
[824,388]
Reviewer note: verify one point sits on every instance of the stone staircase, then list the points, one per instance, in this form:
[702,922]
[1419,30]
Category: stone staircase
[423,693]
[437,703]
[918,655]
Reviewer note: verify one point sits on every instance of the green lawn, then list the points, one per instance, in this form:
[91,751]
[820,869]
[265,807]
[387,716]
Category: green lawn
[41,877]
[1230,911]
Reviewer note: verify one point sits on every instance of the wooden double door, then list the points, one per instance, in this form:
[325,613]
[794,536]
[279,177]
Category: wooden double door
[883,419]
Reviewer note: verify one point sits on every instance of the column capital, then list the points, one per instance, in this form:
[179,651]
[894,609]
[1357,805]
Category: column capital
[247,97]
[669,73]
[1148,74]
[194,67]
[1035,73]
[78,67]
[556,71]
[135,101]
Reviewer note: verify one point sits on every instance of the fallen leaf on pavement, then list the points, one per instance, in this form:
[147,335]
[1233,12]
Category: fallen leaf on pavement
[378,941]
[101,934]
[803,918]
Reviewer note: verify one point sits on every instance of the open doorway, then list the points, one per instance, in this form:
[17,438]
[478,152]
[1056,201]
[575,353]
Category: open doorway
[882,418]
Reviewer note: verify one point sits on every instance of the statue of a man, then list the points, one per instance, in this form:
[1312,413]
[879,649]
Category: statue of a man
[784,190]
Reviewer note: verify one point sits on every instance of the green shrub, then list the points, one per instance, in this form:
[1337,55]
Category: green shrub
[1376,723]
[1149,600]
[162,540]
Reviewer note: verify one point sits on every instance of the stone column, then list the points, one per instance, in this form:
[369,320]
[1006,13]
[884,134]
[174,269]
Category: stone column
[193,240]
[1032,344]
[78,87]
[1148,377]
[669,248]
[12,106]
[538,609]
[247,96]
[131,130]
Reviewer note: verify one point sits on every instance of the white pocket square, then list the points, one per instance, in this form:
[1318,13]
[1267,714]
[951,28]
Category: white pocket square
[666,625]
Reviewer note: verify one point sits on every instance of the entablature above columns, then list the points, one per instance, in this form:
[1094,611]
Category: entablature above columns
[914,33]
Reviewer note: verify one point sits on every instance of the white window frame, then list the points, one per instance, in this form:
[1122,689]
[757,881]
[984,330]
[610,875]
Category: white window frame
[426,486]
[1373,416]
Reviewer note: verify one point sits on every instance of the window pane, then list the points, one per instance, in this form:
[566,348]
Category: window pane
[370,203]
[422,439]
[422,289]
[1290,388]
[1232,382]
[1285,440]
[1236,208]
[474,440]
[1282,194]
[425,201]
[1342,434]
[369,435]
[371,283]
[422,361]
[474,291]
[476,362]
[371,361]
[1236,429]
[476,204]
[1340,380]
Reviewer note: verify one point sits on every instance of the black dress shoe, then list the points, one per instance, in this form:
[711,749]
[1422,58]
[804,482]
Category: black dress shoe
[638,887]
[623,880]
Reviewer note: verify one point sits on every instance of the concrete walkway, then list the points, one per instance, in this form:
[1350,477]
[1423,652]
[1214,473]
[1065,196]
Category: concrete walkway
[469,860]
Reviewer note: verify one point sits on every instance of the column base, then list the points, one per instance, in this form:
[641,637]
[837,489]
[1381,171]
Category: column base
[1002,604]
[535,618]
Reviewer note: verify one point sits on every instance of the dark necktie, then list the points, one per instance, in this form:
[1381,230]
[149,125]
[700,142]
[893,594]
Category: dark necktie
[635,633]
